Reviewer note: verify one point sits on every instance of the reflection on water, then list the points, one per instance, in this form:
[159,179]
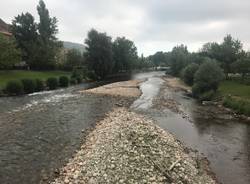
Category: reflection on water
[224,140]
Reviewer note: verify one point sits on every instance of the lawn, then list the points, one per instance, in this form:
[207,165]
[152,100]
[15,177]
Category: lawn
[235,88]
[8,75]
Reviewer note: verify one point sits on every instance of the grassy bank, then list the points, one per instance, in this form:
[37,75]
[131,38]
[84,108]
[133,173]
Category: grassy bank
[9,75]
[236,96]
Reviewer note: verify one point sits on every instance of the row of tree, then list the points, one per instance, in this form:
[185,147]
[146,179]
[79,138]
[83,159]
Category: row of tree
[37,41]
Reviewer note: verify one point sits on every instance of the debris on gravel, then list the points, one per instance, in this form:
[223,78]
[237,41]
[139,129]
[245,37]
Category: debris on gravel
[126,147]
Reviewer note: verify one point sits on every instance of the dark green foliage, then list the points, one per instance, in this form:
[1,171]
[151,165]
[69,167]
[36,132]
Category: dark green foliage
[206,96]
[74,59]
[91,75]
[99,53]
[63,81]
[188,73]
[9,54]
[179,59]
[239,105]
[29,85]
[79,74]
[14,87]
[52,83]
[24,30]
[40,86]
[207,78]
[242,66]
[73,81]
[124,54]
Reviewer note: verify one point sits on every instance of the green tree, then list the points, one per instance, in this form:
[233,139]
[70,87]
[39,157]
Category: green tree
[158,59]
[99,53]
[188,73]
[48,43]
[9,54]
[124,54]
[207,77]
[242,66]
[231,51]
[74,59]
[24,30]
[179,59]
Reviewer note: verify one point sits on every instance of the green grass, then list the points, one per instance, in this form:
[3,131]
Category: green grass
[8,75]
[236,96]
[235,89]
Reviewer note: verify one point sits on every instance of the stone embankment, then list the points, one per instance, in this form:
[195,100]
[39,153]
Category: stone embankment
[126,147]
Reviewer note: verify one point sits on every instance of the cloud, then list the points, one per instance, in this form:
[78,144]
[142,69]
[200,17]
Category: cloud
[153,24]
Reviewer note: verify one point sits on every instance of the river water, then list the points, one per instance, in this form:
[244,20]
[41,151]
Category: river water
[39,132]
[225,141]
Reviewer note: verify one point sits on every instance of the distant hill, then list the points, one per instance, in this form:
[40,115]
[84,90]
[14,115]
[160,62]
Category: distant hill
[71,45]
[3,26]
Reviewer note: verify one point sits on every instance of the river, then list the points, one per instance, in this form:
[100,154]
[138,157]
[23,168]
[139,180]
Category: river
[224,140]
[41,131]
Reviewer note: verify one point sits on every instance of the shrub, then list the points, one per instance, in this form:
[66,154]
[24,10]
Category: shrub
[40,86]
[206,96]
[239,105]
[64,81]
[14,87]
[92,75]
[73,81]
[52,83]
[207,78]
[188,73]
[29,85]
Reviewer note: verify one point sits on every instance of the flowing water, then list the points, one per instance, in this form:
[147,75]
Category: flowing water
[225,141]
[39,132]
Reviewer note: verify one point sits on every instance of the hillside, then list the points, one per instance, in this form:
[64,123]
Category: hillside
[71,45]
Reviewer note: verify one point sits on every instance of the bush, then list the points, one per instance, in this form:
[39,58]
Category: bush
[64,81]
[206,96]
[188,73]
[14,87]
[52,83]
[29,85]
[40,86]
[73,81]
[239,105]
[91,75]
[207,78]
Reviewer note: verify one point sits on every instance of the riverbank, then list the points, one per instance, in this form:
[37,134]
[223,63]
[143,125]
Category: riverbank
[126,147]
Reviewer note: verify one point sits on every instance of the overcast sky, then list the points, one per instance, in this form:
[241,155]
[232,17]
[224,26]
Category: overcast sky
[152,24]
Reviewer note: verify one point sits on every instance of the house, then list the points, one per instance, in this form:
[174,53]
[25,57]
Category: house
[5,29]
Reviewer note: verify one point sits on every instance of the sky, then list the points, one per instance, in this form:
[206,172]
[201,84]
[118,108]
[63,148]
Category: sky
[154,25]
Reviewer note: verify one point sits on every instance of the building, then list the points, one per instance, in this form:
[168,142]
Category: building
[5,29]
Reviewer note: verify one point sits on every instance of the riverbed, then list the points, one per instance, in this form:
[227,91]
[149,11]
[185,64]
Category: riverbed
[221,138]
[41,131]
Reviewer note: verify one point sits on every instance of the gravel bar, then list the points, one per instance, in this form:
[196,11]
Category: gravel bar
[126,147]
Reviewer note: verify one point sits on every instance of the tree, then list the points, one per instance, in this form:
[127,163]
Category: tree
[231,51]
[179,59]
[242,66]
[48,44]
[99,53]
[211,50]
[74,59]
[124,54]
[24,30]
[188,73]
[158,59]
[207,77]
[9,54]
